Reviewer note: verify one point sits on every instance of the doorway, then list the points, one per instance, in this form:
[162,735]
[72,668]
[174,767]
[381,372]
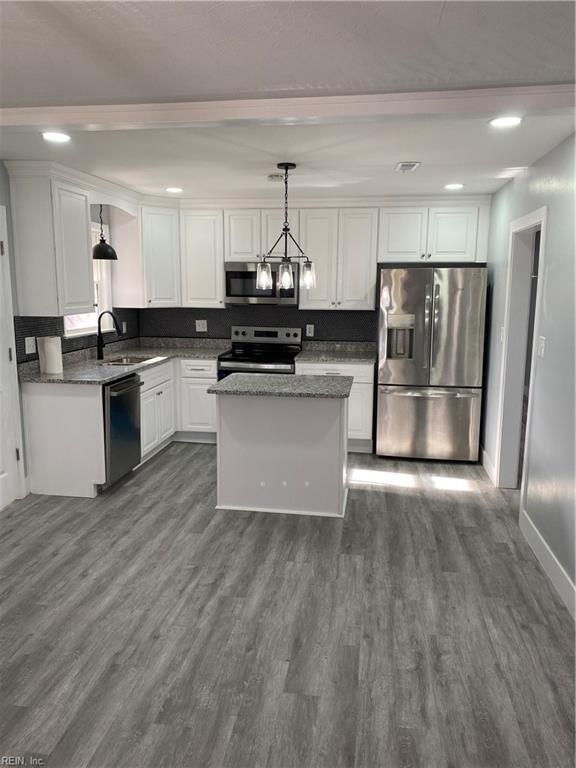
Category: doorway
[520,338]
[11,475]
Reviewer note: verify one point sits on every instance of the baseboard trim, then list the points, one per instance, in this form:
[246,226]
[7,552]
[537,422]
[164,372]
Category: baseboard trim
[356,445]
[561,581]
[489,467]
[195,437]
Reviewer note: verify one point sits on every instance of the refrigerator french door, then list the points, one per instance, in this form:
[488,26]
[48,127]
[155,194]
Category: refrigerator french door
[431,341]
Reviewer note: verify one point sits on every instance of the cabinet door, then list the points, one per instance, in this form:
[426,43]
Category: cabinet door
[242,235]
[161,254]
[403,234]
[272,223]
[73,246]
[452,234]
[197,407]
[165,410]
[319,239]
[148,421]
[357,245]
[360,411]
[202,254]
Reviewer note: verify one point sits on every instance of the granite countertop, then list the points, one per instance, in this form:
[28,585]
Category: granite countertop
[280,385]
[337,352]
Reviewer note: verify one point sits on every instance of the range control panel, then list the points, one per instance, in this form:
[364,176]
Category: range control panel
[262,335]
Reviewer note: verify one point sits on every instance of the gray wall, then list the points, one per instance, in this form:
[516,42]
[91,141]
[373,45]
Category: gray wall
[550,455]
[5,200]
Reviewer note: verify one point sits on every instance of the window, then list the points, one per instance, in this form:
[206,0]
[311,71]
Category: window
[82,325]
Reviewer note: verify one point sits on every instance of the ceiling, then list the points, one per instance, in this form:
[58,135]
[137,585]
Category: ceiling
[66,53]
[344,159]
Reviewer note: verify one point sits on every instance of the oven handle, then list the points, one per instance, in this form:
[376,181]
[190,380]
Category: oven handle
[255,366]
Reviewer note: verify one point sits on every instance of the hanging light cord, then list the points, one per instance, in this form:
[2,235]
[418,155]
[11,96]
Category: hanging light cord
[101,224]
[286,229]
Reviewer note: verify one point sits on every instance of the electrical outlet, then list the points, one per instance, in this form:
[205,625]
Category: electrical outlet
[310,330]
[541,346]
[124,326]
[201,326]
[30,345]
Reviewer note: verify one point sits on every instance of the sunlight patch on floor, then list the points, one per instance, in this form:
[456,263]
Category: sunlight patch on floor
[385,478]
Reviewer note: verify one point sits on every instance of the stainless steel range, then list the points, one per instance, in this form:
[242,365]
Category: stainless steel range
[260,350]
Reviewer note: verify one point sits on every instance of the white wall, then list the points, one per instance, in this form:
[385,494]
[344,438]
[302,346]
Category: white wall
[550,452]
[5,200]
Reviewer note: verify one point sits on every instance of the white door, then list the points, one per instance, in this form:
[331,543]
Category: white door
[452,234]
[148,421]
[73,246]
[357,246]
[403,233]
[161,253]
[242,235]
[10,439]
[272,223]
[197,407]
[165,410]
[202,253]
[319,239]
[360,411]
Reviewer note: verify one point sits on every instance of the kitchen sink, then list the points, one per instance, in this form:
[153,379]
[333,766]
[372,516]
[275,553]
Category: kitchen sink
[127,360]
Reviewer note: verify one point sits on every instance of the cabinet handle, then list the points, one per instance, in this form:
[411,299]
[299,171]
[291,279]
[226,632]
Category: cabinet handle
[160,393]
[333,303]
[332,373]
[339,302]
[429,256]
[423,256]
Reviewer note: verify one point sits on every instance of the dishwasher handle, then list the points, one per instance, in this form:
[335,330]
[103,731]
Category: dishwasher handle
[124,390]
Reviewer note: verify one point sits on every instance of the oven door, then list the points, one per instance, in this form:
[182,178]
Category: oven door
[241,285]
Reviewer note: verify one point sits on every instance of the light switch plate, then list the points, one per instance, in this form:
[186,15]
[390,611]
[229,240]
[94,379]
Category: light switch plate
[310,330]
[124,326]
[201,326]
[541,346]
[30,345]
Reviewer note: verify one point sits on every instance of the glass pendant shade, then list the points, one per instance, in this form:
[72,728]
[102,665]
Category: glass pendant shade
[308,276]
[285,276]
[263,276]
[103,250]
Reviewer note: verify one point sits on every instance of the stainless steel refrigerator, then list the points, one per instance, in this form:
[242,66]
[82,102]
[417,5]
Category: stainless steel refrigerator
[431,346]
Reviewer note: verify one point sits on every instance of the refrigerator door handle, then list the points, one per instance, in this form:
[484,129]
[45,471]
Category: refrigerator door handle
[436,314]
[429,394]
[427,304]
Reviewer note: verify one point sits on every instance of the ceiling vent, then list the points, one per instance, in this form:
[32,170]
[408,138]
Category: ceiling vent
[406,166]
[275,177]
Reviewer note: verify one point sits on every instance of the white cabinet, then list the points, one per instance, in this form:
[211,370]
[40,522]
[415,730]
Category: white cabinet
[202,258]
[357,251]
[452,234]
[161,255]
[441,234]
[272,223]
[52,246]
[242,236]
[157,407]
[319,239]
[197,409]
[361,400]
[403,233]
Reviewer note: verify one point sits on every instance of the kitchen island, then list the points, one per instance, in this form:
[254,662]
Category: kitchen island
[282,443]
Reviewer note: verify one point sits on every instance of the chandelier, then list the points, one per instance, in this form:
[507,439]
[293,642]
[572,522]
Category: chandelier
[285,272]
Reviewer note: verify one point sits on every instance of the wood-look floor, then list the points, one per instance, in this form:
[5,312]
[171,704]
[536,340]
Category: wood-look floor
[142,628]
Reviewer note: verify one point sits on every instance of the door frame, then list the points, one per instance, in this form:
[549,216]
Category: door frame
[514,354]
[7,316]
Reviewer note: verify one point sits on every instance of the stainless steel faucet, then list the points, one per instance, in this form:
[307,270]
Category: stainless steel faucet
[100,338]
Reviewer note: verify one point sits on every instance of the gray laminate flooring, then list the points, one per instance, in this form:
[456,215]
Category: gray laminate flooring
[144,629]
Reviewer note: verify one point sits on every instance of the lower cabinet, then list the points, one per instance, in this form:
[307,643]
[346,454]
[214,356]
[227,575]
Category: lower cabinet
[157,407]
[197,407]
[361,400]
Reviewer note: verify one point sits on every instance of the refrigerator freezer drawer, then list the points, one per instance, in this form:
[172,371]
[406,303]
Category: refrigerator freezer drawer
[428,423]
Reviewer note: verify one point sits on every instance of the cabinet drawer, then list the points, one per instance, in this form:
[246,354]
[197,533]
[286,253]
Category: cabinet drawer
[198,369]
[154,376]
[361,372]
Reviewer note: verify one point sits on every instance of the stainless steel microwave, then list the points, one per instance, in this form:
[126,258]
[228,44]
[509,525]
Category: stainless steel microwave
[241,285]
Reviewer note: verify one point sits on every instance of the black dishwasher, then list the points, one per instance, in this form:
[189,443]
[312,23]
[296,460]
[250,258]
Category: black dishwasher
[122,426]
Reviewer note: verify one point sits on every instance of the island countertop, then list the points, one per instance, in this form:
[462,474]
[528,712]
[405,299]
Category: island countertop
[279,385]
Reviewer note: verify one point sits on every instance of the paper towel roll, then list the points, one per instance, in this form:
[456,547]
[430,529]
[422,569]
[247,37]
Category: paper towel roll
[50,353]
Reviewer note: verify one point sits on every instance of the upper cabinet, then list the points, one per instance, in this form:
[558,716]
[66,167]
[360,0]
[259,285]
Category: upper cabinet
[52,246]
[242,236]
[161,254]
[202,256]
[429,234]
[272,223]
[342,244]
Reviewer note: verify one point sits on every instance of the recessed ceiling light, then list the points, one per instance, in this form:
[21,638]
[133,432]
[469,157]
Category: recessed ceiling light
[506,121]
[55,137]
[452,187]
[174,190]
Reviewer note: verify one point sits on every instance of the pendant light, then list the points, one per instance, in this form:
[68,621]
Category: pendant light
[285,271]
[103,250]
